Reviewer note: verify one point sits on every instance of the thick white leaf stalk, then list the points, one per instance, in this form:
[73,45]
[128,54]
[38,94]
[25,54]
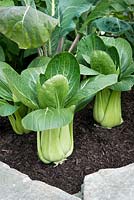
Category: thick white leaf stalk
[55,145]
[107,108]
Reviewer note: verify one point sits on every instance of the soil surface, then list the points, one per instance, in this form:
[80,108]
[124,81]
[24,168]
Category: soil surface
[95,148]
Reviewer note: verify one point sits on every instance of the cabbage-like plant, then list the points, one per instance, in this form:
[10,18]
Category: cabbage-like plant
[108,56]
[54,96]
[9,106]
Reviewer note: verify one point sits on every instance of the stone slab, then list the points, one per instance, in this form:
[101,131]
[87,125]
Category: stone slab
[110,184]
[17,186]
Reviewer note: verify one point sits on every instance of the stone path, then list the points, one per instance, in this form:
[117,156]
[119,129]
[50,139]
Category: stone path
[106,184]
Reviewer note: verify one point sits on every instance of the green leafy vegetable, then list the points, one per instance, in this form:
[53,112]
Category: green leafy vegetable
[110,56]
[8,105]
[54,93]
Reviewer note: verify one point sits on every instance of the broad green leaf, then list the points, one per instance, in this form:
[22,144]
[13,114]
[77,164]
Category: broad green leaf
[125,84]
[20,89]
[90,87]
[54,42]
[87,71]
[2,55]
[9,46]
[7,109]
[111,25]
[129,71]
[30,77]
[26,26]
[41,61]
[5,92]
[101,9]
[6,3]
[124,51]
[70,9]
[87,45]
[67,65]
[113,53]
[130,33]
[48,118]
[52,7]
[120,6]
[53,92]
[102,63]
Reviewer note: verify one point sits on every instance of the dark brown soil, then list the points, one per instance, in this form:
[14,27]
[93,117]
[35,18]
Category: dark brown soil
[95,148]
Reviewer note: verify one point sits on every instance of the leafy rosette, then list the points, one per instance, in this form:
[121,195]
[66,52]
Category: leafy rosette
[54,95]
[104,55]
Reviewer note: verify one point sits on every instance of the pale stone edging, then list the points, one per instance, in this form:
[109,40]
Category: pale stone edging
[106,184]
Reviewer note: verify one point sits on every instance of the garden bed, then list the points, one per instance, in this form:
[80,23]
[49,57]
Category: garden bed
[95,148]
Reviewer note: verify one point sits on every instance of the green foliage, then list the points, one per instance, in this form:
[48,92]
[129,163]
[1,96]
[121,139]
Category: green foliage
[69,9]
[26,26]
[110,56]
[111,25]
[6,3]
[52,92]
[102,62]
[45,96]
[8,105]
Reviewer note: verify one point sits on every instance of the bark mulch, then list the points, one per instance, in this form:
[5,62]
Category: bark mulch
[95,148]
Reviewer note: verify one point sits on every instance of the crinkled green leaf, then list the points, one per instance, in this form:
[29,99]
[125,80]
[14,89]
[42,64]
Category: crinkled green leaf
[102,63]
[48,118]
[111,25]
[124,51]
[26,26]
[53,92]
[67,65]
[87,45]
[7,109]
